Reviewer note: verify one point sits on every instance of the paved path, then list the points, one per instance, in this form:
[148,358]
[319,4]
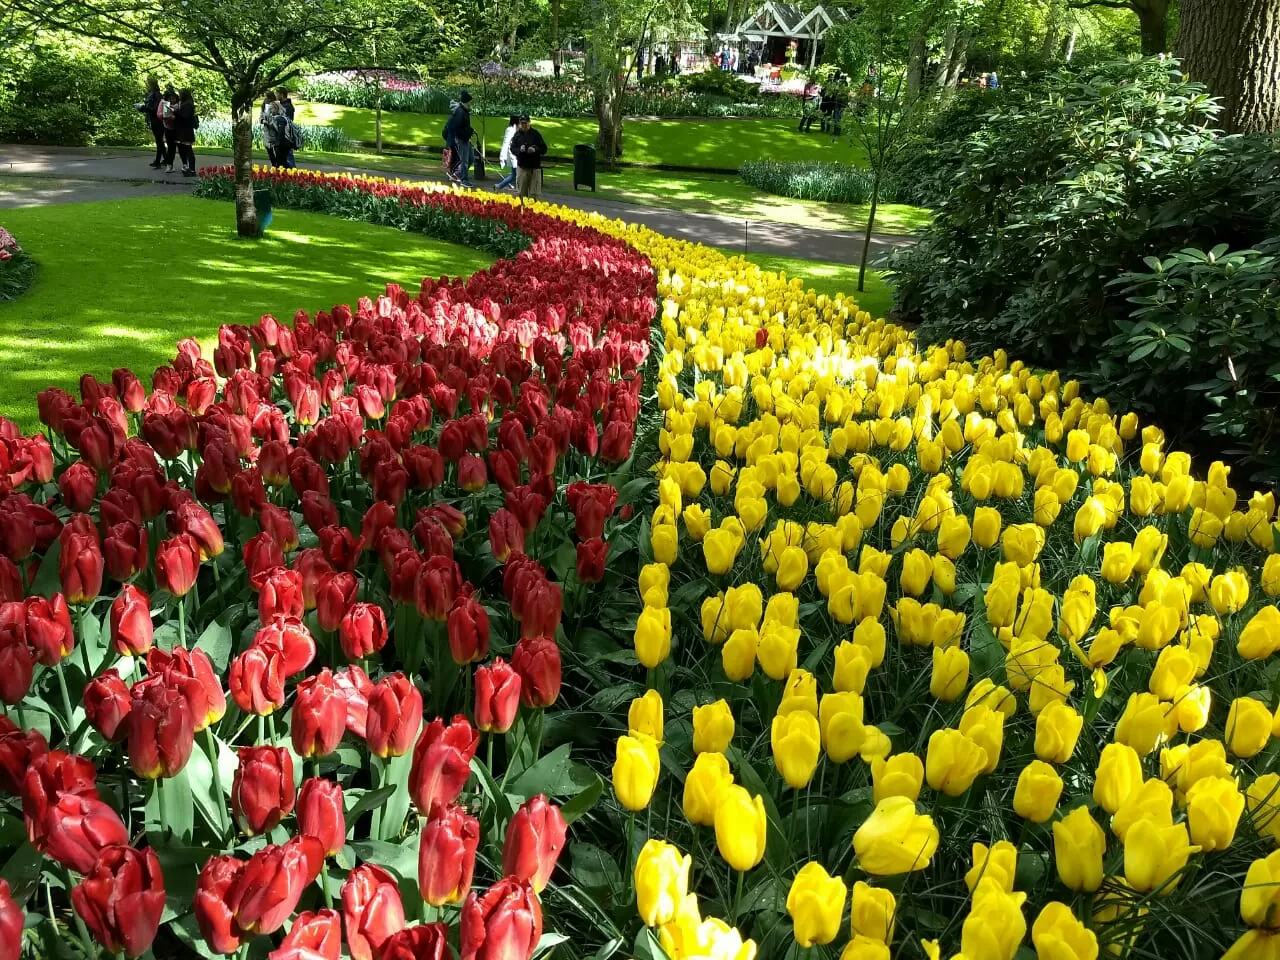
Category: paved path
[97,174]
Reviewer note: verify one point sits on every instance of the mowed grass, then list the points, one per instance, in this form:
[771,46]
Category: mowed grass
[830,278]
[714,144]
[121,282]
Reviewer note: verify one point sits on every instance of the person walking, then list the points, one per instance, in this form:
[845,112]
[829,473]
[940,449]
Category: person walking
[273,121]
[529,149]
[149,108]
[286,104]
[457,137]
[185,123]
[167,112]
[506,158]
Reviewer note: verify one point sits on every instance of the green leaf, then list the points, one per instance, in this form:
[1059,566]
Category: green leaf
[492,790]
[400,858]
[22,872]
[550,775]
[368,800]
[396,773]
[211,804]
[170,809]
[548,942]
[584,800]
[47,581]
[594,868]
[216,642]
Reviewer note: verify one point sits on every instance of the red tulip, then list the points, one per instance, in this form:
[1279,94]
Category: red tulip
[177,563]
[190,672]
[363,630]
[354,686]
[404,575]
[277,522]
[78,486]
[592,504]
[312,567]
[248,495]
[472,475]
[49,776]
[394,716]
[11,588]
[442,762]
[506,535]
[273,461]
[371,910]
[432,536]
[273,881]
[262,793]
[11,924]
[540,609]
[314,936]
[16,660]
[281,595]
[106,705]
[132,633]
[261,555]
[504,924]
[453,519]
[319,716]
[535,837]
[124,550]
[257,680]
[497,696]
[468,628]
[80,565]
[591,560]
[122,898]
[505,469]
[615,445]
[321,814]
[537,660]
[379,517]
[19,749]
[198,523]
[76,828]
[217,892]
[292,638]
[438,584]
[339,546]
[447,855]
[427,941]
[161,729]
[336,593]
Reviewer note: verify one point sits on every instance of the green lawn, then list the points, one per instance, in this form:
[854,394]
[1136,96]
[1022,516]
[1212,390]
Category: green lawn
[121,282]
[724,144]
[830,278]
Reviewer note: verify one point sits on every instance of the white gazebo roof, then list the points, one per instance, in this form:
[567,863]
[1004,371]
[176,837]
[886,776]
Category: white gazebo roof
[776,19]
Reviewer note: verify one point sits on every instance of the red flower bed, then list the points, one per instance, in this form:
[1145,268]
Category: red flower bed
[336,519]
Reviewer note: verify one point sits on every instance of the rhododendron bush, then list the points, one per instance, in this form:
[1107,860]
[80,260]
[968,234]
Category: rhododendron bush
[326,645]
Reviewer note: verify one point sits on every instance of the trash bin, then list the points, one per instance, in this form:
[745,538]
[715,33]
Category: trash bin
[262,206]
[584,166]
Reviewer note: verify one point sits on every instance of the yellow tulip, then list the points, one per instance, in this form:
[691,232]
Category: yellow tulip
[1058,728]
[1262,800]
[1119,773]
[697,521]
[635,771]
[1260,898]
[986,527]
[840,717]
[712,727]
[953,762]
[1151,800]
[1229,592]
[661,881]
[1175,667]
[872,912]
[1248,727]
[1022,543]
[1148,548]
[864,948]
[1058,935]
[1078,848]
[738,655]
[644,716]
[1037,793]
[985,727]
[704,786]
[895,839]
[870,634]
[715,620]
[985,693]
[853,663]
[795,739]
[793,566]
[800,692]
[1089,519]
[719,550]
[1205,758]
[1153,854]
[664,539]
[1260,637]
[783,608]
[1118,561]
[875,743]
[995,864]
[917,569]
[1214,806]
[816,904]
[655,578]
[950,673]
[953,536]
[777,649]
[740,828]
[745,606]
[1145,723]
[653,636]
[994,928]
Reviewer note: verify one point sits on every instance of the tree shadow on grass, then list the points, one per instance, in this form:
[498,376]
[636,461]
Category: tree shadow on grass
[122,281]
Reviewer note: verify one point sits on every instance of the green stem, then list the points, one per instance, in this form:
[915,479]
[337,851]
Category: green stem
[488,753]
[84,647]
[212,745]
[66,701]
[375,826]
[182,621]
[631,842]
[737,899]
[324,889]
[89,949]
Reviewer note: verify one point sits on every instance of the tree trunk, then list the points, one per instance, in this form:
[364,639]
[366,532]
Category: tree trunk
[729,18]
[871,222]
[1233,48]
[955,67]
[242,158]
[1052,32]
[1153,24]
[377,117]
[609,132]
[948,51]
[555,38]
[1071,43]
[915,65]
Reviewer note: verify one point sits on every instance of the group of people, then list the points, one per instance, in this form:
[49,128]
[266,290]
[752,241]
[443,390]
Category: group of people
[521,156]
[826,104]
[280,136]
[172,118]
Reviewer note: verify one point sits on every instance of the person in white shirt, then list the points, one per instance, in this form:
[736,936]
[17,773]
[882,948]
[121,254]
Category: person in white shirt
[505,157]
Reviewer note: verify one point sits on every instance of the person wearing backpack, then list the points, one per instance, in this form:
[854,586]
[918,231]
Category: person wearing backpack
[505,157]
[148,107]
[291,139]
[274,123]
[185,124]
[167,113]
[457,138]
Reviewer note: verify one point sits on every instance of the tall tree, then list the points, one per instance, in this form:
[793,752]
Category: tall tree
[1233,48]
[253,45]
[1153,19]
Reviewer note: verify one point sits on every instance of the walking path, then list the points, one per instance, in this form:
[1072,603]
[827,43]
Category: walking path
[103,175]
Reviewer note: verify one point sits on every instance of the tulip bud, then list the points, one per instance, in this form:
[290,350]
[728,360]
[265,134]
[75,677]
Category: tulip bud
[76,829]
[363,630]
[468,628]
[281,595]
[426,941]
[321,814]
[661,882]
[335,594]
[314,936]
[895,839]
[257,680]
[437,586]
[447,855]
[80,564]
[394,716]
[48,629]
[371,910]
[294,641]
[354,686]
[217,890]
[131,629]
[442,762]
[537,661]
[319,716]
[1078,847]
[816,904]
[497,692]
[161,729]
[122,898]
[506,535]
[11,920]
[107,704]
[635,771]
[262,793]
[177,562]
[17,665]
[592,556]
[504,923]
[741,826]
[195,521]
[273,882]
[124,550]
[19,749]
[535,837]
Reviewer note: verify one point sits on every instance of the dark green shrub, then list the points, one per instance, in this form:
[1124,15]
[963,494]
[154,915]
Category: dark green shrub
[803,180]
[72,100]
[1047,216]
